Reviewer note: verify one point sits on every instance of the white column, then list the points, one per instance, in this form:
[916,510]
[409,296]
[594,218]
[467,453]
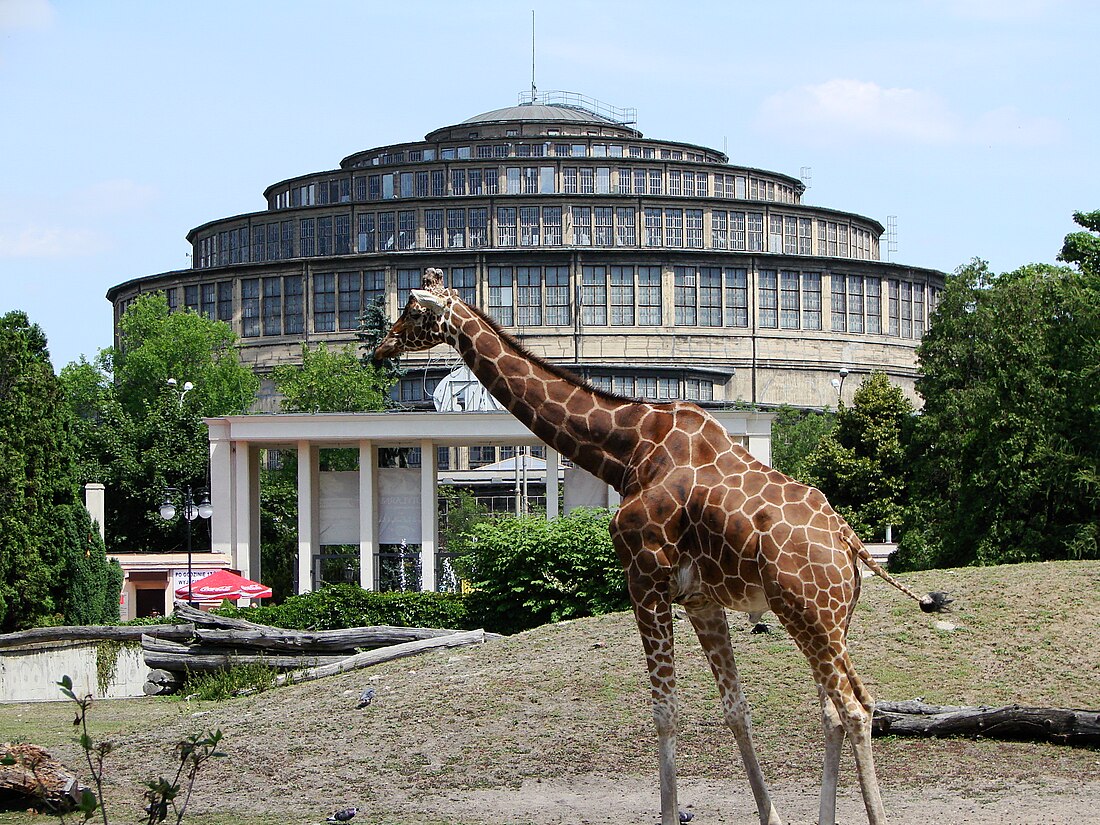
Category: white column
[552,483]
[368,513]
[95,502]
[241,505]
[222,522]
[759,432]
[308,528]
[253,459]
[429,515]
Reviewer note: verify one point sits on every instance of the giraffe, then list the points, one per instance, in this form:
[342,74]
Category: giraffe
[701,523]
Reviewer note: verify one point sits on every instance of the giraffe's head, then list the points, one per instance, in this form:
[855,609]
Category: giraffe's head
[420,326]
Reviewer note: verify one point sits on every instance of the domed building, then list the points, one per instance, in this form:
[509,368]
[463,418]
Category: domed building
[653,268]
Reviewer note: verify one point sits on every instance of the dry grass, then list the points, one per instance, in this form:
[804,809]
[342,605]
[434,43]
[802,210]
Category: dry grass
[569,703]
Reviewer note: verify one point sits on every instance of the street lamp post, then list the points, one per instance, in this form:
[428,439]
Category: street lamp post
[838,385]
[191,511]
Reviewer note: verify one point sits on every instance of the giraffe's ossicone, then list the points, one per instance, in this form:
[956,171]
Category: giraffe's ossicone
[701,523]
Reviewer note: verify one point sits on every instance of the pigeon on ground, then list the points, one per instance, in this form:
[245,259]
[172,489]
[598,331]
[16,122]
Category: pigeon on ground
[686,816]
[343,816]
[365,698]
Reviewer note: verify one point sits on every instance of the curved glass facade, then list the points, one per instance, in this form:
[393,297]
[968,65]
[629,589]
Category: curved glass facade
[655,268]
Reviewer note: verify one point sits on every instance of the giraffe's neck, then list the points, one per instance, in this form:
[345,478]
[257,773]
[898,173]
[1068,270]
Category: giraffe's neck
[595,431]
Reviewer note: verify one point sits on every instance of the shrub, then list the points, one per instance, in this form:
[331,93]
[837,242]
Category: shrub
[338,606]
[529,571]
[226,684]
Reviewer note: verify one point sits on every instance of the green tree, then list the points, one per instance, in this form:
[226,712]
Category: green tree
[528,571]
[53,567]
[796,434]
[139,435]
[331,382]
[1007,460]
[861,465]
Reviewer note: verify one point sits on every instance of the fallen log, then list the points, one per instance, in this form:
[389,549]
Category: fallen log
[385,654]
[347,640]
[180,658]
[29,774]
[92,633]
[1061,726]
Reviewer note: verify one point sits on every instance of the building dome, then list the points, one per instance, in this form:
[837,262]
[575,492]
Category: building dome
[654,268]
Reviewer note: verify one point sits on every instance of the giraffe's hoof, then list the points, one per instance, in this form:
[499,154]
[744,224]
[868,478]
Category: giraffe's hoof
[761,627]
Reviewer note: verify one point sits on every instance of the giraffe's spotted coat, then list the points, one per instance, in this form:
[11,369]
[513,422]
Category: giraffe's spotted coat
[701,523]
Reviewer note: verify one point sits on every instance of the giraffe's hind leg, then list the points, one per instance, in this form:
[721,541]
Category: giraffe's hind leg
[709,621]
[834,739]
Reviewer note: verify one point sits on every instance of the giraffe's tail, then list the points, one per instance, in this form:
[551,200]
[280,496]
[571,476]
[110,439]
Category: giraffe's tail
[934,602]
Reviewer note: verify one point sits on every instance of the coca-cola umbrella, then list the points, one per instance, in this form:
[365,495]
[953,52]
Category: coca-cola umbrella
[224,584]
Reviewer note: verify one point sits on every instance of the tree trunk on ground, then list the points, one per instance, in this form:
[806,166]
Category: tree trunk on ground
[94,633]
[180,658]
[36,777]
[1058,725]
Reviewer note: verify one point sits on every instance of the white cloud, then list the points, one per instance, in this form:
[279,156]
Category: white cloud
[49,242]
[845,110]
[26,14]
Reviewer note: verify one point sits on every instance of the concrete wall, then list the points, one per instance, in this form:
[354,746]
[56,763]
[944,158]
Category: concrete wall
[31,674]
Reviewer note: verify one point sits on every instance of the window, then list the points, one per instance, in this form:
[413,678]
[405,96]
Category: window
[407,281]
[458,182]
[456,228]
[653,227]
[594,295]
[588,180]
[529,226]
[645,387]
[737,231]
[501,301]
[506,226]
[693,228]
[623,385]
[805,237]
[367,239]
[582,225]
[294,318]
[840,302]
[710,296]
[674,227]
[473,181]
[225,301]
[667,388]
[569,180]
[604,226]
[768,289]
[790,235]
[551,221]
[546,180]
[737,297]
[250,307]
[531,180]
[755,224]
[775,233]
[324,302]
[685,296]
[698,389]
[348,298]
[438,182]
[273,306]
[655,182]
[811,300]
[855,303]
[324,236]
[906,309]
[529,295]
[918,310]
[406,230]
[626,234]
[872,288]
[512,178]
[674,182]
[342,235]
[557,295]
[307,241]
[209,306]
[622,296]
[479,228]
[789,301]
[893,309]
[719,229]
[649,295]
[463,282]
[387,231]
[842,240]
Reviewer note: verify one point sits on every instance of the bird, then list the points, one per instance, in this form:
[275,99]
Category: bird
[686,816]
[343,816]
[366,697]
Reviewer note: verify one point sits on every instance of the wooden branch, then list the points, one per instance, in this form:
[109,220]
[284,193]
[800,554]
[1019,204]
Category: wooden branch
[168,655]
[1058,725]
[347,640]
[35,776]
[373,657]
[93,633]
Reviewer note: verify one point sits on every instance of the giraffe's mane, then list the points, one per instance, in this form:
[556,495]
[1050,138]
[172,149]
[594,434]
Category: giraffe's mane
[555,370]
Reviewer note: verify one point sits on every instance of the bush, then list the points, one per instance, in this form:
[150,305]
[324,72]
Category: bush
[529,571]
[337,606]
[218,685]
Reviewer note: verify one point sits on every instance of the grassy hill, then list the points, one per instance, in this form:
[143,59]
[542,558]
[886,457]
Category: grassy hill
[568,705]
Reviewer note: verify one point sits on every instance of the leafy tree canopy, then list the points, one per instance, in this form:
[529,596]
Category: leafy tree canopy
[139,435]
[795,435]
[1007,458]
[331,381]
[53,567]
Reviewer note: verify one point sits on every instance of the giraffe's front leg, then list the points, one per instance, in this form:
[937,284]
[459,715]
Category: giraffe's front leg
[655,625]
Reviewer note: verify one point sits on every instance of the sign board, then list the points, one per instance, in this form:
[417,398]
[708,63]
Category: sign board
[398,505]
[339,507]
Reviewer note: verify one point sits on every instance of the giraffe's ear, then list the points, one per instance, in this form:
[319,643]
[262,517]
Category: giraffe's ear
[429,299]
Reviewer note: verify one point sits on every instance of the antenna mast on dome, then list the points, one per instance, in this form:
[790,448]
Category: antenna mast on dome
[534,89]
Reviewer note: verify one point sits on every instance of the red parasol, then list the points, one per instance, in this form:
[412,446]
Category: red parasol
[225,584]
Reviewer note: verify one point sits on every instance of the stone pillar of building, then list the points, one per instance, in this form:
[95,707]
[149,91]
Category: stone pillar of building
[245,548]
[95,501]
[429,515]
[309,528]
[552,463]
[221,489]
[368,513]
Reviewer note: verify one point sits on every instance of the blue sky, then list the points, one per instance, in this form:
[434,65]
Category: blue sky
[126,124]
